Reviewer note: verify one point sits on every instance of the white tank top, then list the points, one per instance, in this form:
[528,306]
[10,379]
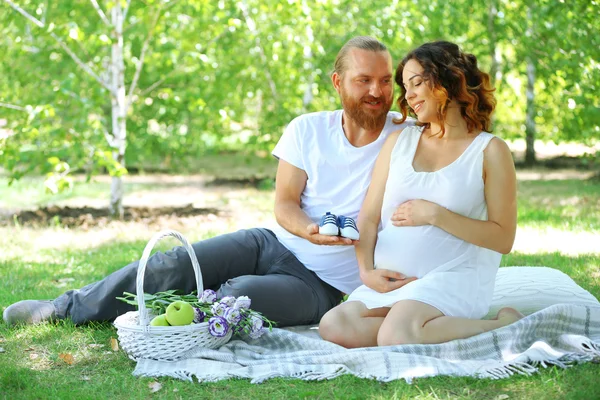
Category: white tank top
[430,251]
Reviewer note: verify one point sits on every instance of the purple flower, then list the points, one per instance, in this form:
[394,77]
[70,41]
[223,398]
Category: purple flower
[218,326]
[229,301]
[256,329]
[242,302]
[232,315]
[208,296]
[218,309]
[199,315]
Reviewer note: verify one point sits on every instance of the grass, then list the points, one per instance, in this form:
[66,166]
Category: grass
[31,366]
[564,204]
[43,262]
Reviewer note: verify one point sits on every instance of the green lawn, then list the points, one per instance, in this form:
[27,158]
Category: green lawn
[567,204]
[43,262]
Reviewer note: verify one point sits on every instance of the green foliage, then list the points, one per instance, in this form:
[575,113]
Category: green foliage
[225,75]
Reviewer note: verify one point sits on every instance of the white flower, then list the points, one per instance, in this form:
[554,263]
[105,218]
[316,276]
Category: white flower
[229,301]
[217,326]
[208,296]
[242,302]
[232,315]
[218,309]
[256,330]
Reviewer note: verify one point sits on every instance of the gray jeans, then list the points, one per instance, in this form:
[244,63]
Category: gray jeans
[245,263]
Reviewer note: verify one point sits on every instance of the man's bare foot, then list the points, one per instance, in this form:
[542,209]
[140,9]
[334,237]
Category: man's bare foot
[508,315]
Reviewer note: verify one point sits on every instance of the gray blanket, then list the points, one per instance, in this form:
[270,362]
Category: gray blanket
[559,335]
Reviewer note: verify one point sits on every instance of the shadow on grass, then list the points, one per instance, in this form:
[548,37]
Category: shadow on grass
[566,204]
[70,270]
[87,217]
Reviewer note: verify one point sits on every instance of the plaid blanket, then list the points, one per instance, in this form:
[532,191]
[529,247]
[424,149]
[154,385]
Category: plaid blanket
[559,335]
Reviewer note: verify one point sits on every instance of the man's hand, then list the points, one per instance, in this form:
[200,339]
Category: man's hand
[415,213]
[384,280]
[316,238]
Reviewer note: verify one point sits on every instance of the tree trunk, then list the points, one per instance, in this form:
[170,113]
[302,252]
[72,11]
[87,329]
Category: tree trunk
[119,110]
[308,57]
[530,116]
[495,73]
[530,113]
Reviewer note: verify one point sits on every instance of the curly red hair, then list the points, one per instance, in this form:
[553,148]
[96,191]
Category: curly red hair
[452,75]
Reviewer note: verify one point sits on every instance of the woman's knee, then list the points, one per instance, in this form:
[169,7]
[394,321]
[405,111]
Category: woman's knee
[406,332]
[331,326]
[405,324]
[341,325]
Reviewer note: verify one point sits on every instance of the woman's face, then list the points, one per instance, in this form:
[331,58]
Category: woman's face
[419,94]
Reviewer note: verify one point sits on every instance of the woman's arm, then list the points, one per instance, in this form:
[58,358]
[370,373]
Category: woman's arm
[380,280]
[498,232]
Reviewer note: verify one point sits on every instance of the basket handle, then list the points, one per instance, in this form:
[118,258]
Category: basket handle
[143,313]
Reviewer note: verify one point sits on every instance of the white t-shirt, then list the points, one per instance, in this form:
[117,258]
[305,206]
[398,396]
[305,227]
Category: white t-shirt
[338,178]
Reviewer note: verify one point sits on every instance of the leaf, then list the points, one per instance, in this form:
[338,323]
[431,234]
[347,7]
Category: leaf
[114,344]
[67,358]
[33,356]
[154,386]
[148,297]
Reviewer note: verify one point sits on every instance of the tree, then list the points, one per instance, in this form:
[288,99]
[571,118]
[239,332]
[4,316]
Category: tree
[229,75]
[553,47]
[111,79]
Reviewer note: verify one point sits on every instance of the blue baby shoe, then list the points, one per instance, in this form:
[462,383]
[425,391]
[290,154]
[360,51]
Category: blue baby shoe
[328,225]
[347,227]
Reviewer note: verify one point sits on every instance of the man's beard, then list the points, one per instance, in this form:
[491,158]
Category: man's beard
[365,118]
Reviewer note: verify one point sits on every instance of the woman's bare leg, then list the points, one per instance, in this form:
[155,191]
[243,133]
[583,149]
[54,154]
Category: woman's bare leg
[414,322]
[352,324]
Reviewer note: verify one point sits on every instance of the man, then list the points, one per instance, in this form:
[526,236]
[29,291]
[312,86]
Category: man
[293,275]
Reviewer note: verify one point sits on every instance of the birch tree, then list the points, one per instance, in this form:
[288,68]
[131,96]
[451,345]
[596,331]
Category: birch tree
[111,77]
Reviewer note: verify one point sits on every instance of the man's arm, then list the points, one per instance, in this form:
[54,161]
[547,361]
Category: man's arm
[289,185]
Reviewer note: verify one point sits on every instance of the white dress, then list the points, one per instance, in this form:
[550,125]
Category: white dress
[455,276]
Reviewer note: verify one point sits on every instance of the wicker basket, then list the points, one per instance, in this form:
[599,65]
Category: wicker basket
[165,343]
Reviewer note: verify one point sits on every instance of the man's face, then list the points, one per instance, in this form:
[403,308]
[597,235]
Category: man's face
[366,87]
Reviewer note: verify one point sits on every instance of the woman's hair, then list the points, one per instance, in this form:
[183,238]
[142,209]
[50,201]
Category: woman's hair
[452,75]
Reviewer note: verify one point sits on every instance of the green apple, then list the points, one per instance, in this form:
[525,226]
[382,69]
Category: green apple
[160,320]
[180,313]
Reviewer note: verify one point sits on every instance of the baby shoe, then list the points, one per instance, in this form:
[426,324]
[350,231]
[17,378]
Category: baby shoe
[347,227]
[328,225]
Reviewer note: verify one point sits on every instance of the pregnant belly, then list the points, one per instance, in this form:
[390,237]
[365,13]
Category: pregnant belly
[418,250]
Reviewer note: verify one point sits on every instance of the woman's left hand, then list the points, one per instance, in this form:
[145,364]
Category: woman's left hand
[415,213]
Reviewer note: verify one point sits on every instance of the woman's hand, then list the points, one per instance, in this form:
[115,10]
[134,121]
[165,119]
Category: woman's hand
[416,213]
[384,280]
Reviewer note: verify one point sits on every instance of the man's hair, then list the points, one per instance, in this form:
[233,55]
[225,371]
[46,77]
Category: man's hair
[359,42]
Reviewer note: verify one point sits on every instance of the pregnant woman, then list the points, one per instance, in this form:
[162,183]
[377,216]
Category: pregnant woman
[443,194]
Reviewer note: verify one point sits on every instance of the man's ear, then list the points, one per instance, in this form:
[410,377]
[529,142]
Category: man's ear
[336,79]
